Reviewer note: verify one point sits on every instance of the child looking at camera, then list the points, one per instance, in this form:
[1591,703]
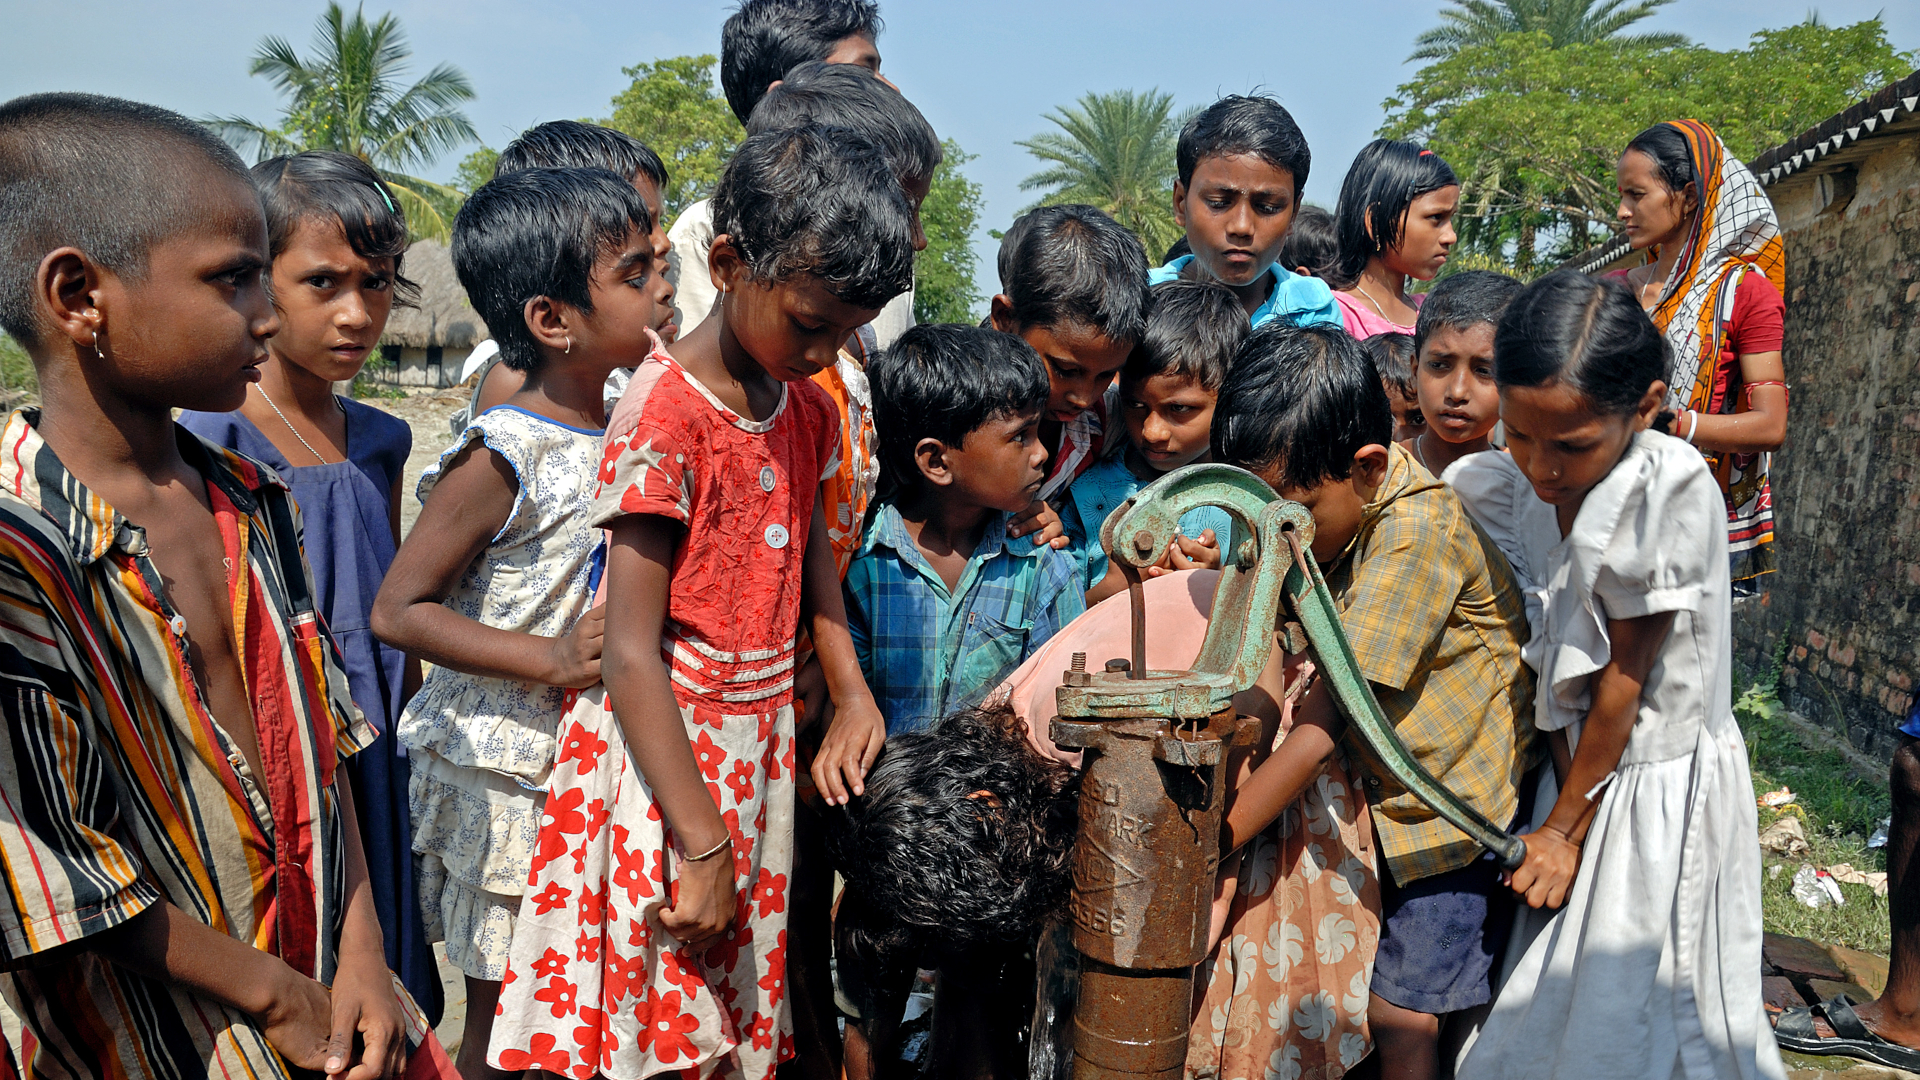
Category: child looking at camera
[1243,163]
[653,933]
[1453,367]
[1395,222]
[187,894]
[1393,359]
[1647,967]
[493,584]
[334,284]
[1167,395]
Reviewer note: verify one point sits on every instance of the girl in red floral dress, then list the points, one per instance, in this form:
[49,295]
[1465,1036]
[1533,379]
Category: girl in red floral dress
[652,937]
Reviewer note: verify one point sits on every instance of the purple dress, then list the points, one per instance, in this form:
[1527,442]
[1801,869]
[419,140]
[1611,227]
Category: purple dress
[345,513]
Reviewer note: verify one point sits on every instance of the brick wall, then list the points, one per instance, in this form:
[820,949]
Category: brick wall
[1847,483]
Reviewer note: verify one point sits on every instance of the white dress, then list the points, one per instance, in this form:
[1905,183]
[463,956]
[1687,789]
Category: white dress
[1652,967]
[482,748]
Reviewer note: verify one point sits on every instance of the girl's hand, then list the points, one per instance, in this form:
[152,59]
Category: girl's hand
[1546,875]
[576,656]
[705,907]
[1040,520]
[363,1003]
[1195,554]
[854,740]
[298,1022]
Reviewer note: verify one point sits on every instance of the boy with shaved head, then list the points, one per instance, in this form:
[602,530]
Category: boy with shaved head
[185,893]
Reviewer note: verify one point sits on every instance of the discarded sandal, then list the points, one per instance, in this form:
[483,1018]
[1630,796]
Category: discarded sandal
[1794,1031]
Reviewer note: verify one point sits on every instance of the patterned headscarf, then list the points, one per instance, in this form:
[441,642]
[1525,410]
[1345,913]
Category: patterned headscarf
[1735,229]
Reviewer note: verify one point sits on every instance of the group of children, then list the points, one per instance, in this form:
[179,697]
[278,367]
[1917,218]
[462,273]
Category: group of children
[683,574]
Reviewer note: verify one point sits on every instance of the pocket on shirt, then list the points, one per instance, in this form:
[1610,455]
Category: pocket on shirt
[990,650]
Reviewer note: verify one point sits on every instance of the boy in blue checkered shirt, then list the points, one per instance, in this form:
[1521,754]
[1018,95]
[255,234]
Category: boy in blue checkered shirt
[942,604]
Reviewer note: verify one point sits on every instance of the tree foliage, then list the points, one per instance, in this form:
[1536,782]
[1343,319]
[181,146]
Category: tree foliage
[348,96]
[476,169]
[1114,151]
[1534,130]
[1467,23]
[943,289]
[673,107]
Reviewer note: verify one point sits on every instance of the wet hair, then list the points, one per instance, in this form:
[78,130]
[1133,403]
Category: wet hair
[1393,358]
[765,39]
[851,97]
[1072,265]
[1588,333]
[944,382]
[1312,242]
[1672,157]
[329,185]
[108,176]
[940,867]
[1193,329]
[1301,400]
[570,144]
[1463,301]
[1386,177]
[1237,124]
[539,232]
[820,201]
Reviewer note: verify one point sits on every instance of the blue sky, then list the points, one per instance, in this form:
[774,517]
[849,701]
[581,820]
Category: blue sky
[983,71]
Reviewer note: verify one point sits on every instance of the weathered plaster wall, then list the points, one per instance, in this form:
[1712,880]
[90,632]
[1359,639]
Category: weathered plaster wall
[1847,483]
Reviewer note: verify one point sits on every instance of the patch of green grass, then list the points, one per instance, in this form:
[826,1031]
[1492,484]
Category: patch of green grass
[16,373]
[1838,808]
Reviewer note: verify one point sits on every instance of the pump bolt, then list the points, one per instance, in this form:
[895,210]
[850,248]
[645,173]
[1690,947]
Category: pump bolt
[1143,542]
[1119,664]
[1079,661]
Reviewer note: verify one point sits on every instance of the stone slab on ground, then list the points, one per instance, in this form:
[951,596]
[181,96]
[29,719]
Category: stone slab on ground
[1865,968]
[1778,992]
[1798,956]
[1825,989]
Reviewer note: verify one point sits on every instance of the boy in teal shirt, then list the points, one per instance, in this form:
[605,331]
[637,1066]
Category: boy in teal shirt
[942,604]
[1243,163]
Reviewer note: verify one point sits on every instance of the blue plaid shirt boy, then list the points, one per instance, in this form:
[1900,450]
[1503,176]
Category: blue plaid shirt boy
[927,652]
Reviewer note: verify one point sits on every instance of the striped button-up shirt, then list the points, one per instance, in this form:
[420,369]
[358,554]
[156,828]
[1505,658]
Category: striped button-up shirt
[118,789]
[927,650]
[1437,620]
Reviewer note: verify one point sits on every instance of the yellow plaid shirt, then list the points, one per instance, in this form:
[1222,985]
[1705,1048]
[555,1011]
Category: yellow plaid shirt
[1437,621]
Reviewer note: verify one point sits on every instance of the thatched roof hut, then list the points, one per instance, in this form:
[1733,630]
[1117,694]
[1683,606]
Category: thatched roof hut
[444,319]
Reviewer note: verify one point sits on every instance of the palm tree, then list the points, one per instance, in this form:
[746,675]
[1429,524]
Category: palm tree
[1568,22]
[348,97]
[1114,151]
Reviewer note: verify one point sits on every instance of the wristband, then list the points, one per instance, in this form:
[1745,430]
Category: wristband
[710,852]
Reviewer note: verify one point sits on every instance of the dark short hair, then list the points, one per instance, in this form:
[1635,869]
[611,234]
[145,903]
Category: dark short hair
[570,144]
[820,201]
[108,176]
[765,39]
[1242,124]
[1193,329]
[327,184]
[1312,241]
[1385,178]
[1588,333]
[1464,300]
[1672,156]
[851,97]
[943,382]
[1302,400]
[935,866]
[1392,355]
[539,232]
[1072,265]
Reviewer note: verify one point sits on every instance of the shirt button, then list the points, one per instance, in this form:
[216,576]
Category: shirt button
[777,536]
[766,480]
[178,624]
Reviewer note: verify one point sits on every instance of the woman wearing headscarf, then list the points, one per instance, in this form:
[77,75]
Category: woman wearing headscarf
[1714,288]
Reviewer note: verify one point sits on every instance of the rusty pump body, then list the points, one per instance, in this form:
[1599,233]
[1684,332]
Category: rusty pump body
[1152,792]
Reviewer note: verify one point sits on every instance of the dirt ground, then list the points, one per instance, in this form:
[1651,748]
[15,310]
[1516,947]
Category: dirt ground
[427,414]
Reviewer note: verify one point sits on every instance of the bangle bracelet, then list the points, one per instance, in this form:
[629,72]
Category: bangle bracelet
[1693,428]
[710,852]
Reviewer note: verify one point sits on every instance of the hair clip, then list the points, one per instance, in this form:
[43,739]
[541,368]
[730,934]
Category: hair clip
[1426,153]
[388,199]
